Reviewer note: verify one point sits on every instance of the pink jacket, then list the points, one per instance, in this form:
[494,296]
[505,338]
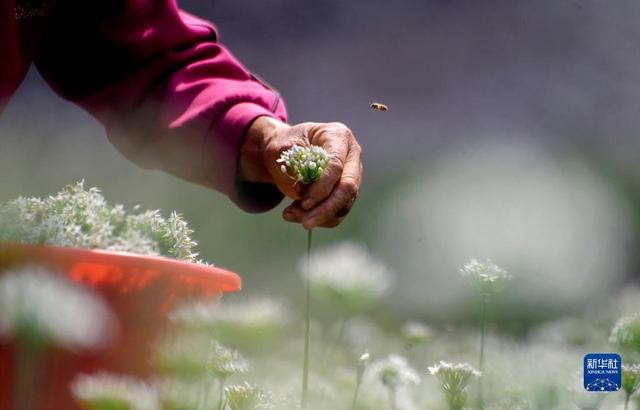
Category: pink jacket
[170,96]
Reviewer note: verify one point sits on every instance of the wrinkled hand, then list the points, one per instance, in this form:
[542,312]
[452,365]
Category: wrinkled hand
[324,203]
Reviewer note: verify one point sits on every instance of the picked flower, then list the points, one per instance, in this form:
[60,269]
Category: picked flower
[224,362]
[347,277]
[626,333]
[487,276]
[38,306]
[105,391]
[307,163]
[454,379]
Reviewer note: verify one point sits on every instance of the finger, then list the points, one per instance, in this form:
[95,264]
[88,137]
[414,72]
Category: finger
[290,188]
[343,195]
[344,211]
[293,213]
[332,223]
[338,218]
[336,140]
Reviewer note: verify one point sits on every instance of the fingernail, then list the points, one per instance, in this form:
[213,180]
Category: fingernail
[287,215]
[307,204]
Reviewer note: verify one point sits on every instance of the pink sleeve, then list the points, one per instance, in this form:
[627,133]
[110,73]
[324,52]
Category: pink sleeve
[170,96]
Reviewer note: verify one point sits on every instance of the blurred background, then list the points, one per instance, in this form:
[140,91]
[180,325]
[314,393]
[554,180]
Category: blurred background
[512,133]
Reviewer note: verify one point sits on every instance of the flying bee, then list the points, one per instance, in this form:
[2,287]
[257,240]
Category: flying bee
[379,106]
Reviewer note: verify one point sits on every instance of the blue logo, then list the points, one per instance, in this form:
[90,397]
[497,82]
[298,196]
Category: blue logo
[602,372]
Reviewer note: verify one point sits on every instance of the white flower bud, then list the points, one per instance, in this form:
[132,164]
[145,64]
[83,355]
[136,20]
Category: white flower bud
[308,163]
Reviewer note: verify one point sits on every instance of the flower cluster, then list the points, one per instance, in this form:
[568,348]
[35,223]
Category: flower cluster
[243,396]
[393,371]
[626,333]
[224,362]
[584,399]
[415,333]
[630,378]
[182,354]
[347,277]
[82,218]
[247,396]
[393,374]
[235,323]
[256,312]
[39,306]
[487,276]
[307,163]
[108,391]
[454,379]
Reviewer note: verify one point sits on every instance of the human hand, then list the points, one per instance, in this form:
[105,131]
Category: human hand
[324,203]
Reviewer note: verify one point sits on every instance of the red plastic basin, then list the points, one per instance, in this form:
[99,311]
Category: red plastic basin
[140,291]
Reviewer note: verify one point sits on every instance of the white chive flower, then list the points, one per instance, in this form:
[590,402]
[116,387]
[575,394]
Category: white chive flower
[237,323]
[183,354]
[80,217]
[307,163]
[252,313]
[224,362]
[488,277]
[243,396]
[347,277]
[626,333]
[630,378]
[582,398]
[43,306]
[455,376]
[393,371]
[109,391]
[415,333]
[454,379]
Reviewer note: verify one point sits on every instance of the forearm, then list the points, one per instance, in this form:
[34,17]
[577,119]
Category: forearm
[175,100]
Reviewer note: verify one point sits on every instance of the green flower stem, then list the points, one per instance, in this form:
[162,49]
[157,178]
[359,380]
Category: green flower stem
[203,396]
[483,325]
[355,396]
[332,347]
[392,398]
[626,401]
[221,402]
[340,335]
[483,320]
[305,367]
